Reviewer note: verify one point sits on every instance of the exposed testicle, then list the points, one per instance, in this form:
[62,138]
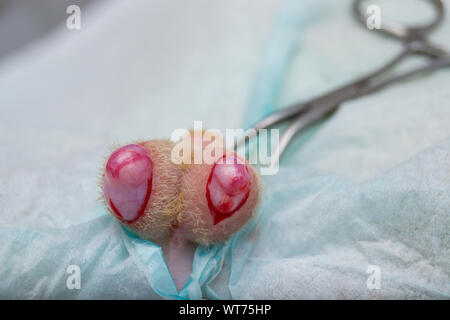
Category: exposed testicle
[228,187]
[128,182]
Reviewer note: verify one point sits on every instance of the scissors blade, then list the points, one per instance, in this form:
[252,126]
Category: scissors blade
[334,97]
[300,123]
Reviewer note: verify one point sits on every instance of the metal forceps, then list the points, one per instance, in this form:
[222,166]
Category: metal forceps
[302,115]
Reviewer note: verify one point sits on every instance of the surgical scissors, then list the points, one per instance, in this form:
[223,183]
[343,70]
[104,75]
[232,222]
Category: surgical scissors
[304,114]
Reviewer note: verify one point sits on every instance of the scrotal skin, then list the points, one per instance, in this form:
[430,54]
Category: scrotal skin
[218,199]
[178,206]
[141,188]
